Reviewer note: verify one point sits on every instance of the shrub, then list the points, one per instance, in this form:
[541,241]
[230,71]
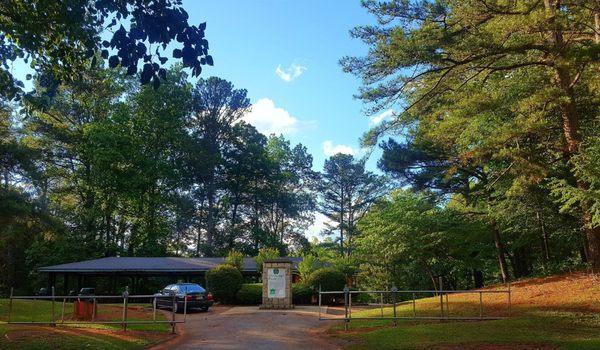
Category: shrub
[236,259]
[328,278]
[250,294]
[301,293]
[224,281]
[308,265]
[265,254]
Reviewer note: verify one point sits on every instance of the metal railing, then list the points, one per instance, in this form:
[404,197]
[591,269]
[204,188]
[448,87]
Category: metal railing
[94,299]
[394,293]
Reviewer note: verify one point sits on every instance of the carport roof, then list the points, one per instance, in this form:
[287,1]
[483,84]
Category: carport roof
[149,265]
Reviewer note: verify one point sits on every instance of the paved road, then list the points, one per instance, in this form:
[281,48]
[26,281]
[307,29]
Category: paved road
[250,328]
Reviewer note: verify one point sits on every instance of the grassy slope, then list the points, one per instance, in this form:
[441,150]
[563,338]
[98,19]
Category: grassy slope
[555,312]
[89,336]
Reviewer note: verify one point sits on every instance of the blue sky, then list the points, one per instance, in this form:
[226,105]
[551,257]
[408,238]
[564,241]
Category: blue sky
[311,100]
[286,54]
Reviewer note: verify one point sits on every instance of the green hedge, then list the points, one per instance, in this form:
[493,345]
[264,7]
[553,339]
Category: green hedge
[328,278]
[302,294]
[224,281]
[251,294]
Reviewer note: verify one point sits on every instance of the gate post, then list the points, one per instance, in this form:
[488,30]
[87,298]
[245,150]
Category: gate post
[394,291]
[346,294]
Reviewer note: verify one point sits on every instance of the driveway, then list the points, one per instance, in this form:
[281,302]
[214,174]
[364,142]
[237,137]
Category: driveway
[224,328]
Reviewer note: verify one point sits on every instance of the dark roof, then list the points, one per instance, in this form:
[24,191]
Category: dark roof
[160,264]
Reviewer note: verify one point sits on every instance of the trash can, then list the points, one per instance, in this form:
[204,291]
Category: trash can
[84,309]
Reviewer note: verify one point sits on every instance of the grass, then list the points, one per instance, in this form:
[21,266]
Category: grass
[559,312]
[77,336]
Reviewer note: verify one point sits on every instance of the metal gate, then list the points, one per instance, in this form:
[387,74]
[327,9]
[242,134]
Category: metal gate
[393,294]
[123,300]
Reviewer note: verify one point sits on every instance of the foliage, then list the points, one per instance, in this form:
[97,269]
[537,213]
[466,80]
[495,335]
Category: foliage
[224,281]
[302,294]
[61,37]
[494,106]
[235,259]
[263,255]
[326,278]
[250,294]
[347,192]
[308,265]
[410,241]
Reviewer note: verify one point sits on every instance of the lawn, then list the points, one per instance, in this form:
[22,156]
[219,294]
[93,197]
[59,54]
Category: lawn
[560,312]
[77,336]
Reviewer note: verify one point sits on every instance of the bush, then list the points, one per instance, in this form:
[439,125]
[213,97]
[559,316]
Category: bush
[265,254]
[308,265]
[301,293]
[250,294]
[224,281]
[328,278]
[235,259]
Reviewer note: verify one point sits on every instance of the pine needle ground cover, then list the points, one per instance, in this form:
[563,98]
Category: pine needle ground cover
[558,312]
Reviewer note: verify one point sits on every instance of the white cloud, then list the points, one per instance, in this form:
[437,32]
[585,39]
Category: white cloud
[376,119]
[329,149]
[269,119]
[290,73]
[317,226]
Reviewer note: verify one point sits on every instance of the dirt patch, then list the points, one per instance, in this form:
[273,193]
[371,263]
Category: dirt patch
[513,346]
[32,333]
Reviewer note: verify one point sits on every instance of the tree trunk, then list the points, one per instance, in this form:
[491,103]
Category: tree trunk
[570,121]
[500,251]
[478,278]
[545,250]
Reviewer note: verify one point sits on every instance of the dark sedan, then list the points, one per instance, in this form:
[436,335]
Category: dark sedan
[196,297]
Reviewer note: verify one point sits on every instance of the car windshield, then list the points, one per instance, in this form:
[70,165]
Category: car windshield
[190,288]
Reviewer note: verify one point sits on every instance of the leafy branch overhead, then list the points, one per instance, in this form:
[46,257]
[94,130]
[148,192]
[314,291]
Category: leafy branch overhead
[60,37]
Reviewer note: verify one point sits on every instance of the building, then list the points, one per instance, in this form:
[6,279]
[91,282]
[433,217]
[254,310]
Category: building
[140,274]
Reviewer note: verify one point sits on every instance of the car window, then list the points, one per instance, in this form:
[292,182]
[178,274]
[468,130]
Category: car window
[190,288]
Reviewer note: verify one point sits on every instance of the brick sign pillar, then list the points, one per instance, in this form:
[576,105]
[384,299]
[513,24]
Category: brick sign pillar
[277,284]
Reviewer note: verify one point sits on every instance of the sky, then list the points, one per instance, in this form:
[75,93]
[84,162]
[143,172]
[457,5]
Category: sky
[286,54]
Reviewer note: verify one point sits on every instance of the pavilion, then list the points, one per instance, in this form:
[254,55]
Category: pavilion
[132,270]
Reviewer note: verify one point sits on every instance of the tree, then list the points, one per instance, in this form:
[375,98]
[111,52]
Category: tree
[347,191]
[61,37]
[425,54]
[216,107]
[409,240]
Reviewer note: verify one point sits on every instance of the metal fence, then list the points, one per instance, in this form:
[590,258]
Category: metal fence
[392,296]
[124,300]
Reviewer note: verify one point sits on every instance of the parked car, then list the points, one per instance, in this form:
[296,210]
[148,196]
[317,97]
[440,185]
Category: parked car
[196,296]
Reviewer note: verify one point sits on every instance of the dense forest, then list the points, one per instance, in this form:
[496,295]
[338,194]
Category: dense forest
[490,165]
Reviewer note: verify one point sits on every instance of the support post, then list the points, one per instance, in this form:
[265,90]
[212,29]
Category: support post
[441,298]
[53,314]
[480,304]
[414,306]
[394,291]
[184,306]
[346,320]
[94,308]
[173,306]
[125,302]
[10,303]
[319,301]
[154,309]
[509,301]
[381,303]
[62,312]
